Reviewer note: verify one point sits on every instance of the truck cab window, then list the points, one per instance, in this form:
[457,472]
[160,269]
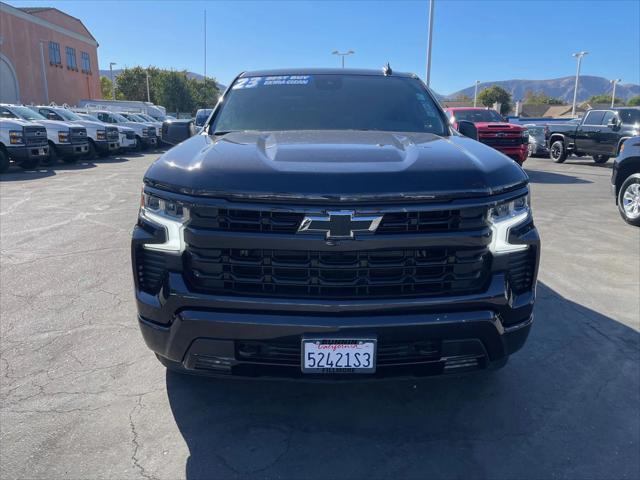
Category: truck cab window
[593,117]
[608,116]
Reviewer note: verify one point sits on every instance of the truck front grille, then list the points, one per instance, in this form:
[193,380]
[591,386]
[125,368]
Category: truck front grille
[112,133]
[35,136]
[130,135]
[78,135]
[342,274]
[269,221]
[152,131]
[502,141]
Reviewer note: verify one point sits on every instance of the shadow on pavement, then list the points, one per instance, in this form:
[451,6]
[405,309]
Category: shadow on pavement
[565,406]
[537,176]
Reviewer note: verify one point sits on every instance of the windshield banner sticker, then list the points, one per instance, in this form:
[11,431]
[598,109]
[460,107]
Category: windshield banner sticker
[253,82]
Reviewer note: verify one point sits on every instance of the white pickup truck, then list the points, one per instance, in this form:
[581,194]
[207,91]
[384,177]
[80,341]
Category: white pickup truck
[104,140]
[127,135]
[145,135]
[22,142]
[66,140]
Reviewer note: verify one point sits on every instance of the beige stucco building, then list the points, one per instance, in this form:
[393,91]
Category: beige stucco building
[46,56]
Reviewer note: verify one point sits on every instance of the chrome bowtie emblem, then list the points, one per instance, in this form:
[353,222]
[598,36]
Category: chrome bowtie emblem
[340,224]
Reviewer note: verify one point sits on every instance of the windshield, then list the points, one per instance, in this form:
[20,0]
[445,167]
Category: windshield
[86,116]
[118,118]
[140,118]
[536,131]
[146,118]
[202,115]
[629,116]
[330,102]
[478,116]
[67,115]
[26,113]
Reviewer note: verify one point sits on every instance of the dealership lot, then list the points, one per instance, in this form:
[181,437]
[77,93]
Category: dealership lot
[82,397]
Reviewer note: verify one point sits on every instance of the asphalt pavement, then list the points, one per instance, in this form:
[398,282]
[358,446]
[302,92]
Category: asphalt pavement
[82,397]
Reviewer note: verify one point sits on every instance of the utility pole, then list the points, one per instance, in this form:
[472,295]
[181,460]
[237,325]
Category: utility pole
[613,94]
[579,56]
[475,94]
[342,54]
[205,51]
[429,42]
[148,93]
[113,84]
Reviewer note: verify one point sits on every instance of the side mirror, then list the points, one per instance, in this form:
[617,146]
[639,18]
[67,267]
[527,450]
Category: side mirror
[468,129]
[613,123]
[177,131]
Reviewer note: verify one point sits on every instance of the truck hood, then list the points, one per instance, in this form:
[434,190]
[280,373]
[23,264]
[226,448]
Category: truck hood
[59,124]
[18,122]
[498,127]
[92,124]
[334,166]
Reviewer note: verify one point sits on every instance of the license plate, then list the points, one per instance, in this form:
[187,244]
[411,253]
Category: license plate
[338,355]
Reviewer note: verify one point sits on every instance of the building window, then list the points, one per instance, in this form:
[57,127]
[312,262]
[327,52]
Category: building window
[86,63]
[54,53]
[71,58]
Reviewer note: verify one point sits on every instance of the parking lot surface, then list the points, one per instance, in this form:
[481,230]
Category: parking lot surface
[82,397]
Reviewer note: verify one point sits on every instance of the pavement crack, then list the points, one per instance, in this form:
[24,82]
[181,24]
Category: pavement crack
[134,441]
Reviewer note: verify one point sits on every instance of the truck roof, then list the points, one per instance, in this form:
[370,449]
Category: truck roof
[323,71]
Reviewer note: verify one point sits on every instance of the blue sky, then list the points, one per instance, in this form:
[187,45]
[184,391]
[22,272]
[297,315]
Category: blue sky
[484,40]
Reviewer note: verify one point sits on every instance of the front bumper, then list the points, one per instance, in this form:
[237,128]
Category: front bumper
[23,152]
[72,149]
[105,146]
[206,334]
[518,154]
[149,141]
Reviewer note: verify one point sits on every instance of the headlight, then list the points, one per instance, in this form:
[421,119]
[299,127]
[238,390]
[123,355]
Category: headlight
[505,216]
[169,215]
[145,132]
[101,135]
[63,137]
[15,137]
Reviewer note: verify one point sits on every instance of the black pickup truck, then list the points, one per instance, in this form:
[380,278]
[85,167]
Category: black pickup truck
[600,134]
[331,224]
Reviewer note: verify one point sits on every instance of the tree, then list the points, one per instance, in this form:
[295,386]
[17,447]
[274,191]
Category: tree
[634,101]
[205,93]
[105,88]
[494,94]
[541,98]
[175,93]
[132,83]
[604,99]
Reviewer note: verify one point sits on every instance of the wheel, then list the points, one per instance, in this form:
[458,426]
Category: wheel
[558,153]
[93,152]
[629,200]
[600,158]
[4,161]
[29,163]
[52,159]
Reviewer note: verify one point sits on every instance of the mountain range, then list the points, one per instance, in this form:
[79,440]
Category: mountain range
[561,88]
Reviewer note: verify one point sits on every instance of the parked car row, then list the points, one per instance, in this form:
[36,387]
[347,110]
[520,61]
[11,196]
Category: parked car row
[45,134]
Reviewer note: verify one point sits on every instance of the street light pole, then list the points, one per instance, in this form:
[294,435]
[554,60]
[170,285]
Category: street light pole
[429,42]
[113,85]
[613,94]
[475,94]
[579,56]
[148,94]
[342,54]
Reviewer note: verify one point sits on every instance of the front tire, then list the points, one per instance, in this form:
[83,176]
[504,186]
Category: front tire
[558,153]
[29,163]
[629,200]
[52,159]
[92,154]
[600,158]
[4,161]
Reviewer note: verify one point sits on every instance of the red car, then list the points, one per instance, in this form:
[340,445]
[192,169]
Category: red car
[493,130]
